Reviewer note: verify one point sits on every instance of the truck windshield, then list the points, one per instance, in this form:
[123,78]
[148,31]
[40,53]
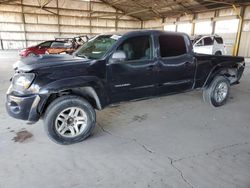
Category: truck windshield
[96,48]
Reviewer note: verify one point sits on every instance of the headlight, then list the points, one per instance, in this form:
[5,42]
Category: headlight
[22,81]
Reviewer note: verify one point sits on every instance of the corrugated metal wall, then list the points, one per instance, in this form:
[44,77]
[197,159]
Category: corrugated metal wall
[26,24]
[244,49]
[214,17]
[22,26]
[153,24]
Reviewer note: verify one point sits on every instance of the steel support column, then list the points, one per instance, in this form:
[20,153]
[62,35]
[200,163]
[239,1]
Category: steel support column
[240,26]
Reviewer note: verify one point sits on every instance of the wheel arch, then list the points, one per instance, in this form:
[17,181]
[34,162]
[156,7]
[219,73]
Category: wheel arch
[89,94]
[230,72]
[88,87]
[85,92]
[30,52]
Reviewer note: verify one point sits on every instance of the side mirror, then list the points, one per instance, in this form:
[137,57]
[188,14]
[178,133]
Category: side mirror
[118,57]
[39,47]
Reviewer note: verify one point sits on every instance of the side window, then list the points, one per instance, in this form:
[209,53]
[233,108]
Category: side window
[45,44]
[200,43]
[58,45]
[172,45]
[208,41]
[137,48]
[219,40]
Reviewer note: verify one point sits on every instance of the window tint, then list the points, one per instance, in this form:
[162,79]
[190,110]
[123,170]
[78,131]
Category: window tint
[219,40]
[45,44]
[97,46]
[208,41]
[60,45]
[137,48]
[171,45]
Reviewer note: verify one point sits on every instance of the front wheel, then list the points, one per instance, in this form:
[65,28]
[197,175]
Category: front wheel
[218,53]
[217,92]
[69,119]
[31,54]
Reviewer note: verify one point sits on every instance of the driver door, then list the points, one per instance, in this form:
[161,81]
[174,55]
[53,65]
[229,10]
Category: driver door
[133,77]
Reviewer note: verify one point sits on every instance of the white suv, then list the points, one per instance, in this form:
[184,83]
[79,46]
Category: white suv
[209,44]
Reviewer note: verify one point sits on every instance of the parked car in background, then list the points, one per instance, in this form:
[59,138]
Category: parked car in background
[57,46]
[209,44]
[36,50]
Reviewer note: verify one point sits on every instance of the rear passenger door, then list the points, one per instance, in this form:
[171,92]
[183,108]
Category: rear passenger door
[176,65]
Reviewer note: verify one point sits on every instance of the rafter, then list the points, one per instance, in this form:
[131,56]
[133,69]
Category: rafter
[140,10]
[149,8]
[105,2]
[6,1]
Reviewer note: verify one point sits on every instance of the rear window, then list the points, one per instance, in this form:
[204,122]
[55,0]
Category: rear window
[219,40]
[45,44]
[172,45]
[60,45]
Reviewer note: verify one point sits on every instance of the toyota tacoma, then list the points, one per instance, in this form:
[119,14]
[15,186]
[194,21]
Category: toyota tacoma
[65,90]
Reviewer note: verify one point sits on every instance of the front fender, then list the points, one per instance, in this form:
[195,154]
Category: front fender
[85,86]
[69,83]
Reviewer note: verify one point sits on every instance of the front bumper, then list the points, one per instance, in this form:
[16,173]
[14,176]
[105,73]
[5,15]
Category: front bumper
[22,53]
[23,107]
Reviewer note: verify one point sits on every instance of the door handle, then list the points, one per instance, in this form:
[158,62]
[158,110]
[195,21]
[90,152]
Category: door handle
[187,64]
[150,67]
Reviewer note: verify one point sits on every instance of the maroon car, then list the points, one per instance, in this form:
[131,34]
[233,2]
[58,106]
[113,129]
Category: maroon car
[36,50]
[57,46]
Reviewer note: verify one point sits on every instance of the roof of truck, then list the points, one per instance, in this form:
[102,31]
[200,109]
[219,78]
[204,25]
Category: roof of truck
[134,32]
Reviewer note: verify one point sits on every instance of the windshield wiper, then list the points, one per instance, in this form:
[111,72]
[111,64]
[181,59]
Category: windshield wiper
[81,55]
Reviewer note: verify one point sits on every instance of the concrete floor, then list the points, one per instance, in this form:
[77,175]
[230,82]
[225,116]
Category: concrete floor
[174,141]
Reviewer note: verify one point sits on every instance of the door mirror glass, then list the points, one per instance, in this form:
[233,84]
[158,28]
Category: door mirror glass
[118,56]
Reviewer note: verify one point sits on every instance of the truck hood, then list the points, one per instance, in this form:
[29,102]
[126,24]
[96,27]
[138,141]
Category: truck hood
[31,63]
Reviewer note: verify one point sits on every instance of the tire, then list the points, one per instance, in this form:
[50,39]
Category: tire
[218,53]
[31,55]
[217,92]
[59,125]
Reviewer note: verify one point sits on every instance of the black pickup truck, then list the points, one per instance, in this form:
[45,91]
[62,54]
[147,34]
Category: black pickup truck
[64,90]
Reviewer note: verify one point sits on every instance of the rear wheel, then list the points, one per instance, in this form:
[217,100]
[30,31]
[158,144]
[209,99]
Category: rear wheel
[218,53]
[69,119]
[217,92]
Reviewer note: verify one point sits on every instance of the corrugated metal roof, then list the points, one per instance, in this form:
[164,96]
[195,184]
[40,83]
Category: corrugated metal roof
[150,9]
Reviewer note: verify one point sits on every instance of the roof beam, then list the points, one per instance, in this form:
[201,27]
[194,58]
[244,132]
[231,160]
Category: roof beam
[187,10]
[6,1]
[220,2]
[105,2]
[117,2]
[149,8]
